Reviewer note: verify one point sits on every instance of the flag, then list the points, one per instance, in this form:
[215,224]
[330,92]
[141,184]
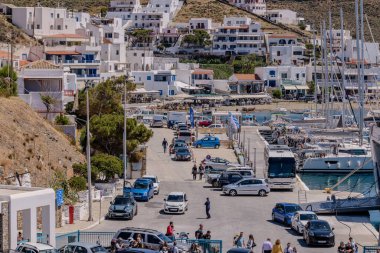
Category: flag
[191,117]
[234,122]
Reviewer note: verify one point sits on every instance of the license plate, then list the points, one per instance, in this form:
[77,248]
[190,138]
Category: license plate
[321,241]
[173,210]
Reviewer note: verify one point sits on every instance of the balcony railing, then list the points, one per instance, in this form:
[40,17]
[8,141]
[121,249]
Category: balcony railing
[88,76]
[81,61]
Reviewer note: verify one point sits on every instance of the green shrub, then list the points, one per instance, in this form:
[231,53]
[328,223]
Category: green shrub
[62,120]
[78,183]
[276,93]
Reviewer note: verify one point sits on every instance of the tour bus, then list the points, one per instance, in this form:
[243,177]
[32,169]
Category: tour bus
[280,167]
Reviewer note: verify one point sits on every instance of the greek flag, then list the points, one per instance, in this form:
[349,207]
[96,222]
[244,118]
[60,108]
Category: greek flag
[234,122]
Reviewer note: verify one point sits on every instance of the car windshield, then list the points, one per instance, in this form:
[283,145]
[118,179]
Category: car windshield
[292,209]
[121,201]
[165,238]
[48,251]
[320,226]
[98,249]
[153,179]
[141,185]
[308,216]
[175,198]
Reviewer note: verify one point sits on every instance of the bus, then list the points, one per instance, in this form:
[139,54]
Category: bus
[280,167]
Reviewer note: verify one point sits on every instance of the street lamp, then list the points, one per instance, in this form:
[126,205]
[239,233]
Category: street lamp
[88,84]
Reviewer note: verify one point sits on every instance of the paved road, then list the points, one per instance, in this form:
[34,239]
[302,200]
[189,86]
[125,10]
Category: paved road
[230,215]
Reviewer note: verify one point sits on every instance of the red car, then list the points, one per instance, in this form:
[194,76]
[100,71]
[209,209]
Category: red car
[204,123]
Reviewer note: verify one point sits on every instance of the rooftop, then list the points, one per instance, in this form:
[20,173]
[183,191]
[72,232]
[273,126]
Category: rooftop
[246,77]
[41,64]
[203,71]
[66,36]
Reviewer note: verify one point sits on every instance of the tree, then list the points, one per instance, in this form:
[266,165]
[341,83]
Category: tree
[276,93]
[8,82]
[247,64]
[78,183]
[199,38]
[107,134]
[107,165]
[105,97]
[311,86]
[62,119]
[49,102]
[80,169]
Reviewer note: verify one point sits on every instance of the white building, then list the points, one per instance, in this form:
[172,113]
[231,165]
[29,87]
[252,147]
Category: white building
[239,35]
[14,199]
[123,9]
[282,39]
[275,76]
[258,7]
[154,21]
[371,51]
[157,80]
[139,59]
[5,60]
[163,6]
[200,24]
[287,17]
[42,21]
[287,55]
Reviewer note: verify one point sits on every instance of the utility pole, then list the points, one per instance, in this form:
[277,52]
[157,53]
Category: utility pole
[125,131]
[88,153]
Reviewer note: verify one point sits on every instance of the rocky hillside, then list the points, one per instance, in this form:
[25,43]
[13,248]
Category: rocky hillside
[19,37]
[30,143]
[314,11]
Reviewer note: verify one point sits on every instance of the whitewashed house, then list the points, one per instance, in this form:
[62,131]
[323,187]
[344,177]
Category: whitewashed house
[200,24]
[139,59]
[258,7]
[283,16]
[287,55]
[163,6]
[123,9]
[157,80]
[155,21]
[239,36]
[275,76]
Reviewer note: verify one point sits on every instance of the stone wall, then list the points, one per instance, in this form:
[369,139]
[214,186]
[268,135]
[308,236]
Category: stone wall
[4,227]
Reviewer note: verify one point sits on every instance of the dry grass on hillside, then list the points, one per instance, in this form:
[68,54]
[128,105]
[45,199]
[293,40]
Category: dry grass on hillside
[29,142]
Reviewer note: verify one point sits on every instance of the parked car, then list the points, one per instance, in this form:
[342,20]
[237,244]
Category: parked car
[245,172]
[239,250]
[177,145]
[283,212]
[319,232]
[157,123]
[207,142]
[156,183]
[220,163]
[216,126]
[228,178]
[32,247]
[81,247]
[300,219]
[250,186]
[137,250]
[143,189]
[152,239]
[122,207]
[182,154]
[185,135]
[204,123]
[176,202]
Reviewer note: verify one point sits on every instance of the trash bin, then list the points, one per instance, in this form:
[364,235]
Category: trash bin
[71,214]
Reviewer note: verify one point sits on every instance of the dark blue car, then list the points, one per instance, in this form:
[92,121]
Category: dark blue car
[143,189]
[283,212]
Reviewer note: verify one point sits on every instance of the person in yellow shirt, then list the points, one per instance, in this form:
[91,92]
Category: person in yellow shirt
[277,248]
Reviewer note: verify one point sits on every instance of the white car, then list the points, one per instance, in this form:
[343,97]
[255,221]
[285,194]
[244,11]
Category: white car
[219,163]
[176,202]
[35,248]
[300,218]
[216,126]
[156,183]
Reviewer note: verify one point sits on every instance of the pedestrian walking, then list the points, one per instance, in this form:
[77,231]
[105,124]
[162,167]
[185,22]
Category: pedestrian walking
[251,242]
[289,248]
[194,172]
[267,246]
[277,248]
[199,232]
[206,247]
[164,144]
[239,241]
[353,245]
[208,206]
[170,229]
[201,171]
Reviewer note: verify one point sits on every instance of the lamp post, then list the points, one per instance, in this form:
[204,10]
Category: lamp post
[88,151]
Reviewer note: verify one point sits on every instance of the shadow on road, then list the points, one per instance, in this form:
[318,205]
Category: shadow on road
[278,223]
[292,232]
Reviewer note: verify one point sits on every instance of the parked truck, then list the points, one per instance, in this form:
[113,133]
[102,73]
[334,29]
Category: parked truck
[176,117]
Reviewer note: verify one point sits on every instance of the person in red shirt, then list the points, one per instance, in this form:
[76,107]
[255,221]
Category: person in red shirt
[170,229]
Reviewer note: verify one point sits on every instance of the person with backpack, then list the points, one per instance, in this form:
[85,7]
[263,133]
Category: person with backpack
[239,242]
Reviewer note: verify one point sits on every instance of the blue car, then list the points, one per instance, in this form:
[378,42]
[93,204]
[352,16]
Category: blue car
[143,189]
[283,212]
[207,142]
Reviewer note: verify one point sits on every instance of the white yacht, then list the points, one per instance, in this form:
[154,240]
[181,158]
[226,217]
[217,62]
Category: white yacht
[343,158]
[375,145]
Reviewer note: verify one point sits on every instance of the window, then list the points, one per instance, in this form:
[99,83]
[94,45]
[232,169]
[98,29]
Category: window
[38,26]
[66,27]
[284,75]
[278,53]
[117,52]
[80,249]
[59,27]
[134,54]
[30,14]
[51,27]
[124,235]
[148,78]
[297,76]
[108,35]
[52,15]
[153,239]
[272,73]
[57,15]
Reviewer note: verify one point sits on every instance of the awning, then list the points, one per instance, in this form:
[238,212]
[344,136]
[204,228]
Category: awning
[186,86]
[243,96]
[62,53]
[144,91]
[289,87]
[208,98]
[302,87]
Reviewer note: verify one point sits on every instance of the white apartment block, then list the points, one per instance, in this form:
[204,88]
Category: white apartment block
[258,7]
[163,6]
[287,17]
[155,21]
[282,39]
[123,9]
[139,59]
[157,80]
[275,76]
[240,36]
[336,39]
[200,24]
[42,21]
[371,51]
[287,55]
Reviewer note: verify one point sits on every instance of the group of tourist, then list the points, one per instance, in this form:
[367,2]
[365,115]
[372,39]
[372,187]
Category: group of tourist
[349,247]
[267,246]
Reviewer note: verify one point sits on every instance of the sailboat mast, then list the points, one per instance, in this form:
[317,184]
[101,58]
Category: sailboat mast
[327,115]
[363,88]
[332,88]
[315,72]
[343,69]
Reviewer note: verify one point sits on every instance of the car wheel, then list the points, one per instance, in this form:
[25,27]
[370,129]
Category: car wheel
[198,146]
[216,146]
[136,210]
[132,215]
[262,193]
[298,230]
[273,218]
[233,193]
[215,184]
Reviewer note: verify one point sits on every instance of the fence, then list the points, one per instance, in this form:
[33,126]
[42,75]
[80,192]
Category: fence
[102,238]
[371,249]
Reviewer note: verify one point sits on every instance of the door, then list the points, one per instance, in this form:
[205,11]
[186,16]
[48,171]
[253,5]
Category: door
[234,178]
[205,142]
[281,213]
[153,242]
[256,186]
[244,187]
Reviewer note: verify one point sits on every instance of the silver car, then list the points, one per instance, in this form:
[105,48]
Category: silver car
[247,186]
[81,247]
